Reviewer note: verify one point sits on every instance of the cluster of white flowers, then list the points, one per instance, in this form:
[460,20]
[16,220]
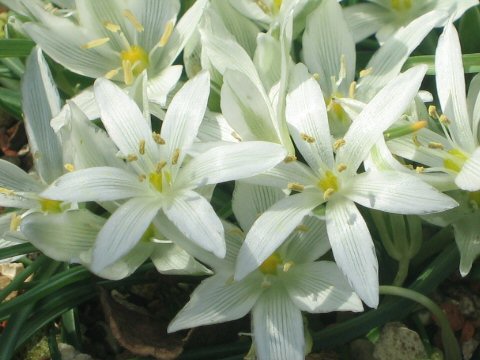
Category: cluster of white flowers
[304,139]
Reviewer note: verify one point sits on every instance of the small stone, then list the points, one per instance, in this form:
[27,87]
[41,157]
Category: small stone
[397,342]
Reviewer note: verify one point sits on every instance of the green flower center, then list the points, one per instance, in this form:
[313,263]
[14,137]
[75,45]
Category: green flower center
[134,61]
[401,5]
[328,184]
[50,206]
[456,160]
[270,265]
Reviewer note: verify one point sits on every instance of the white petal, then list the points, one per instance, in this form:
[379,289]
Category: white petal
[231,162]
[218,299]
[125,122]
[307,116]
[473,103]
[320,287]
[96,184]
[249,201]
[160,86]
[387,62]
[467,237]
[353,248]
[450,80]
[14,178]
[247,108]
[41,103]
[184,115]
[365,19]
[173,260]
[214,127]
[378,115]
[325,41]
[122,231]
[396,192]
[271,229]
[196,219]
[278,327]
[65,236]
[469,177]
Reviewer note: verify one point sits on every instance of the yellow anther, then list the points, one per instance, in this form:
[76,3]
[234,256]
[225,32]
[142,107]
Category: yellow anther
[316,76]
[112,27]
[419,169]
[131,157]
[287,266]
[95,43]
[15,221]
[432,111]
[141,147]
[160,165]
[435,145]
[167,32]
[175,156]
[236,136]
[50,206]
[133,20]
[296,186]
[142,177]
[69,167]
[290,158]
[352,89]
[443,119]
[127,72]
[328,193]
[6,191]
[338,144]
[307,138]
[269,266]
[415,141]
[112,73]
[157,138]
[264,7]
[302,228]
[419,125]
[341,167]
[365,72]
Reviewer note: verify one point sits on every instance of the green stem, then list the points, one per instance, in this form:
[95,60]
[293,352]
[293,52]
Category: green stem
[450,344]
[402,272]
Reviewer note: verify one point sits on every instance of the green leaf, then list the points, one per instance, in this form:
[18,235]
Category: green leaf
[471,63]
[468,31]
[15,47]
[10,102]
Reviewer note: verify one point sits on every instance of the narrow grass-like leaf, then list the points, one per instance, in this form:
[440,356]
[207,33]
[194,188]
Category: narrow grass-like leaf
[16,250]
[471,63]
[15,47]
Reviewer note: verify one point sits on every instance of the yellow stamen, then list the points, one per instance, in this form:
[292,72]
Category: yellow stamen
[127,72]
[269,266]
[419,169]
[296,186]
[316,76]
[328,193]
[263,6]
[432,111]
[134,61]
[157,138]
[287,266]
[435,145]
[15,221]
[307,138]
[160,166]
[112,27]
[141,147]
[365,72]
[95,43]
[142,177]
[290,158]
[112,73]
[415,141]
[443,119]
[351,89]
[167,32]
[302,228]
[329,183]
[236,136]
[131,157]
[69,167]
[6,191]
[341,167]
[50,206]
[175,156]
[338,144]
[133,20]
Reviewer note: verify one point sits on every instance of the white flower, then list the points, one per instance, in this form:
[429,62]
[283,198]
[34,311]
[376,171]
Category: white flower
[384,17]
[157,177]
[288,282]
[334,180]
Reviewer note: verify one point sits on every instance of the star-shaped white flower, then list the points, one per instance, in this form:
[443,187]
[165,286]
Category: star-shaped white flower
[333,179]
[157,176]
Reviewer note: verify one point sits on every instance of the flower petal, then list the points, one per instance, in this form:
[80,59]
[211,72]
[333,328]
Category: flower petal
[160,86]
[231,162]
[278,327]
[353,248]
[307,118]
[41,103]
[125,123]
[184,115]
[450,80]
[14,178]
[218,299]
[365,19]
[320,287]
[96,184]
[64,236]
[271,229]
[122,231]
[469,177]
[467,237]
[378,115]
[327,42]
[196,219]
[396,192]
[171,259]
